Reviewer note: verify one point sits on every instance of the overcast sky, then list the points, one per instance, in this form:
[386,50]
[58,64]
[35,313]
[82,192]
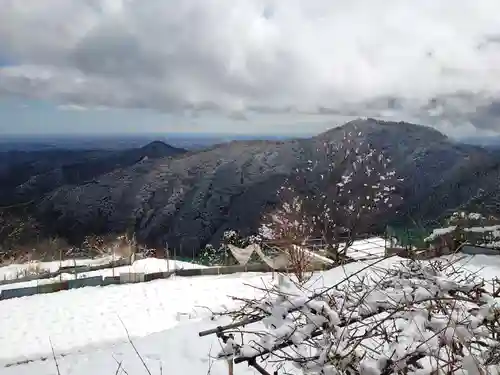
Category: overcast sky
[291,66]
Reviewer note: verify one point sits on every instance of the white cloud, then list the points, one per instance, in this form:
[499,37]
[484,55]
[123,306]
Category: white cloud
[425,59]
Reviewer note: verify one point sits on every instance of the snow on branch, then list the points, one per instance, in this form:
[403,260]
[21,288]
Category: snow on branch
[412,318]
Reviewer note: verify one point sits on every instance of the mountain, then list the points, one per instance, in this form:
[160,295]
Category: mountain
[188,199]
[26,176]
[440,175]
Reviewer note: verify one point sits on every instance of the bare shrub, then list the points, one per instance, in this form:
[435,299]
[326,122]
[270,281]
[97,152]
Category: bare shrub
[47,249]
[122,246]
[289,229]
[51,248]
[33,268]
[412,318]
[300,263]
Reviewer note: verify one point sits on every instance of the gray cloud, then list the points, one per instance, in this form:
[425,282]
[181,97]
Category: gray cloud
[428,61]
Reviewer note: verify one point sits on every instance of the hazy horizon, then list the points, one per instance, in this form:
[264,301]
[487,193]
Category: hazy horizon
[25,142]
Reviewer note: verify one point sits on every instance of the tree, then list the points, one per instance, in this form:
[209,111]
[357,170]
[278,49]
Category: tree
[342,191]
[210,256]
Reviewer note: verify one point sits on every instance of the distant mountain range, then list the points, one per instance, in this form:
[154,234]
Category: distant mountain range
[28,175]
[189,198]
[121,142]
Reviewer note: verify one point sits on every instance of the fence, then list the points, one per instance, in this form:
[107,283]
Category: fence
[68,269]
[130,277]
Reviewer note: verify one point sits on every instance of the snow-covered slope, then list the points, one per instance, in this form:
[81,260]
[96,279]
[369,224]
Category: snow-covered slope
[89,316]
[177,351]
[163,317]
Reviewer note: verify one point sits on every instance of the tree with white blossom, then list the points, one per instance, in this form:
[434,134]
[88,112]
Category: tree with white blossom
[340,193]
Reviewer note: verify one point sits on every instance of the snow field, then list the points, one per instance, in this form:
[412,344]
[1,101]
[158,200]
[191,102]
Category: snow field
[91,316]
[177,351]
[84,324]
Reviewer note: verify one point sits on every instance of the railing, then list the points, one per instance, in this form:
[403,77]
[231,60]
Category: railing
[132,277]
[68,269]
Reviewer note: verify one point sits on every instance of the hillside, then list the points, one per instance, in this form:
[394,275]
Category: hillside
[26,176]
[192,199]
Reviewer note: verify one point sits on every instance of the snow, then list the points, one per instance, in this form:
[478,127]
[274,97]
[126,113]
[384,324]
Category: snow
[12,271]
[494,235]
[475,216]
[488,266]
[78,318]
[365,249]
[148,265]
[175,351]
[440,232]
[379,327]
[490,228]
[163,318]
[316,256]
[471,215]
[369,248]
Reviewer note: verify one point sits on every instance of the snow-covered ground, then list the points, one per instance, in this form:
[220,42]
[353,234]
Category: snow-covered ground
[177,351]
[91,316]
[148,265]
[163,317]
[369,248]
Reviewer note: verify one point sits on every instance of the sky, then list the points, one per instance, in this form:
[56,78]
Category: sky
[238,66]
